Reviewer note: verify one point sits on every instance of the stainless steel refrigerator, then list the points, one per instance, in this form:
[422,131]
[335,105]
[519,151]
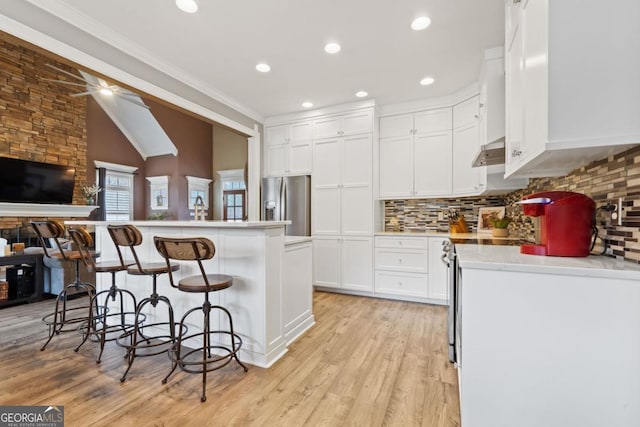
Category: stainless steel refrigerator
[288,198]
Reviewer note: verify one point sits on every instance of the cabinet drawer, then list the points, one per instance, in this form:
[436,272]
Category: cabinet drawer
[401,242]
[414,261]
[402,283]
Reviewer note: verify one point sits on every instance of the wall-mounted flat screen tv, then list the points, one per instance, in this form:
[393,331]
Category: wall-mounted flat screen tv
[25,181]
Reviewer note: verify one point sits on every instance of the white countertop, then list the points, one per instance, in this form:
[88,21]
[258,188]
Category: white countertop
[189,224]
[509,258]
[464,236]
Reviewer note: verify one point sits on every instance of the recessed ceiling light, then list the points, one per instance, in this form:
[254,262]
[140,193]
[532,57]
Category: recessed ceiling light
[307,104]
[263,68]
[427,81]
[361,94]
[189,6]
[332,47]
[420,23]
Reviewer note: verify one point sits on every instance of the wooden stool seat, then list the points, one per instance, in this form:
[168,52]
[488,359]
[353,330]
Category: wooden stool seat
[148,269]
[195,284]
[109,266]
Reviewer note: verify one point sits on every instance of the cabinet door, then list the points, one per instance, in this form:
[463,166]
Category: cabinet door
[438,274]
[433,121]
[396,126]
[326,128]
[300,157]
[512,19]
[514,105]
[432,164]
[466,179]
[277,135]
[277,164]
[326,210]
[327,158]
[326,261]
[357,158]
[465,113]
[396,167]
[301,132]
[356,209]
[357,123]
[535,78]
[357,263]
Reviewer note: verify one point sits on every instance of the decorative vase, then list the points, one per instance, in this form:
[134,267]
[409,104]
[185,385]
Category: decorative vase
[91,200]
[500,232]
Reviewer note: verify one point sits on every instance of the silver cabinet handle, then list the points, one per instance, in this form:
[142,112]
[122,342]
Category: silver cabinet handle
[399,260]
[516,1]
[443,258]
[516,153]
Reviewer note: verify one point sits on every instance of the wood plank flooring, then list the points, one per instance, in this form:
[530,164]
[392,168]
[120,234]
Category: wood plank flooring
[366,362]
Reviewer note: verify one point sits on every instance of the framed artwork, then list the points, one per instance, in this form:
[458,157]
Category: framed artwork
[486,217]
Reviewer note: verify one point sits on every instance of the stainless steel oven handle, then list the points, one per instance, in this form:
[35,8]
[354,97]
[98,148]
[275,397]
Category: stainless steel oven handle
[443,258]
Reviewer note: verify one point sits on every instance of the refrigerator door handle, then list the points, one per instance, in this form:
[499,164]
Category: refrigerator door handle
[283,200]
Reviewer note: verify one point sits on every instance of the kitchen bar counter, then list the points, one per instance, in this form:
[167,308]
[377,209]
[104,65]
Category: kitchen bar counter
[251,252]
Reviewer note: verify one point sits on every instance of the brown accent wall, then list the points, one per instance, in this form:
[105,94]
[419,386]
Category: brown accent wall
[39,121]
[107,144]
[193,139]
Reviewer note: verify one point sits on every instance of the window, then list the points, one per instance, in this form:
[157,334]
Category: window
[116,182]
[234,205]
[118,194]
[234,195]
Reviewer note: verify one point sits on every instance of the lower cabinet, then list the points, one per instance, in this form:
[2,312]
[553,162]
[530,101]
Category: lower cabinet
[343,262]
[410,266]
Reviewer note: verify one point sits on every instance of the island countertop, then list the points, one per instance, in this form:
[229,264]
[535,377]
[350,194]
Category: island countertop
[189,224]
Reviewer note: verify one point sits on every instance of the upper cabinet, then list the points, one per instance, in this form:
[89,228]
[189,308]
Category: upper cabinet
[415,154]
[344,125]
[288,149]
[467,180]
[572,86]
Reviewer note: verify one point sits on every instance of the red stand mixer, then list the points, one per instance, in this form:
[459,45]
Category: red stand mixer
[565,223]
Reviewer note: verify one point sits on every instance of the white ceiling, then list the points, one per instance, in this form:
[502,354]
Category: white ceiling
[217,48]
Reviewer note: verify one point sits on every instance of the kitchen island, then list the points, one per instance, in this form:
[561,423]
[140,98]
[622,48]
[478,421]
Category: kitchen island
[547,341]
[251,252]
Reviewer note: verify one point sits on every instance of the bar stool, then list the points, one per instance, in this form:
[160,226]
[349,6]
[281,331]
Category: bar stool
[137,341]
[60,319]
[108,322]
[199,249]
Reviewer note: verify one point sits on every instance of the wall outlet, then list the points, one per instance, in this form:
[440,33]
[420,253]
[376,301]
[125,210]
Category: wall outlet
[616,213]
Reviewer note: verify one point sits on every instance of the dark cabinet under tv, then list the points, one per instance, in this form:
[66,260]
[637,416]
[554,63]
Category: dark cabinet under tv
[25,276]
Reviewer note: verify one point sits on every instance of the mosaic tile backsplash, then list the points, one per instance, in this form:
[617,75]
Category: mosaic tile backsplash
[603,180]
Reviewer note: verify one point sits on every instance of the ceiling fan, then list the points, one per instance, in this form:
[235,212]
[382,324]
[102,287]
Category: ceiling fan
[96,86]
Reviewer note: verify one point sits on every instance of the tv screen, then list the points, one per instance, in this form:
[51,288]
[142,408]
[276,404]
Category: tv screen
[34,182]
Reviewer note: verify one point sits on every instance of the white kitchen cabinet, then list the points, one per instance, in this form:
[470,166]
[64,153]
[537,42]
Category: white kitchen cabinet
[354,123]
[415,154]
[571,84]
[438,273]
[288,149]
[408,267]
[342,192]
[467,180]
[297,289]
[343,263]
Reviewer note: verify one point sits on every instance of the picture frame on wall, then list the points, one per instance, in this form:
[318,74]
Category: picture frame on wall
[486,215]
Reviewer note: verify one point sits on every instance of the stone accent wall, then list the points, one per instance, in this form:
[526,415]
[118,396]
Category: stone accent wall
[604,180]
[39,120]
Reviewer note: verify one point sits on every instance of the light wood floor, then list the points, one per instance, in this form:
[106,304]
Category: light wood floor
[366,362]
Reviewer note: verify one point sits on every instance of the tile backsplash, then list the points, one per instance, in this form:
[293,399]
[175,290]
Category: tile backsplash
[603,180]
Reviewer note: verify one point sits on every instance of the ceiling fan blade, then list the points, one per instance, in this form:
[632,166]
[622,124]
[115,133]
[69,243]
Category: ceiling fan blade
[66,72]
[90,92]
[65,82]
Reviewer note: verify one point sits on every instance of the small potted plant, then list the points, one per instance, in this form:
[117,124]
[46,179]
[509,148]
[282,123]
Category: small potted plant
[500,227]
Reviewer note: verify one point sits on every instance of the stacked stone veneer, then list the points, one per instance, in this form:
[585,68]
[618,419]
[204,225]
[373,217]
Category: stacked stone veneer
[39,121]
[603,180]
